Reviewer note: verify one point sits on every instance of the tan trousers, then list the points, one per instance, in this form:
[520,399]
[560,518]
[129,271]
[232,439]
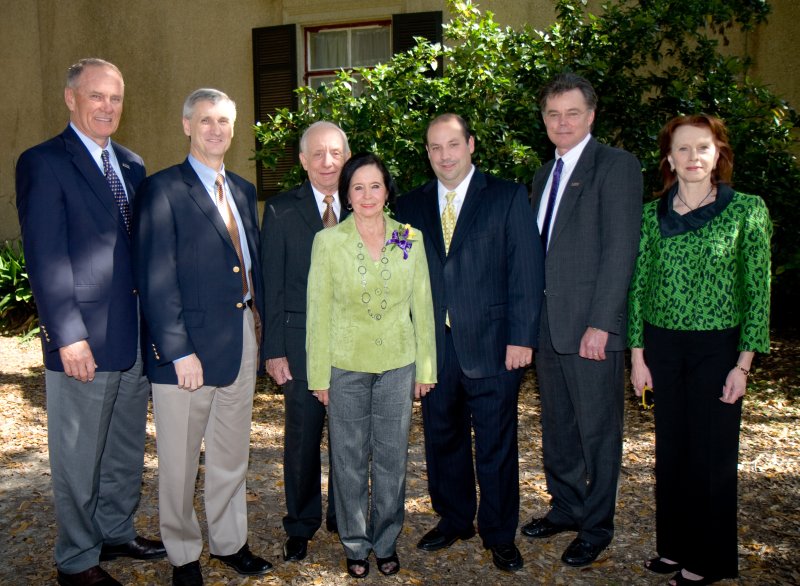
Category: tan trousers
[221,416]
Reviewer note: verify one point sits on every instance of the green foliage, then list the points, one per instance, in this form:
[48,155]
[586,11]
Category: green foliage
[17,309]
[648,60]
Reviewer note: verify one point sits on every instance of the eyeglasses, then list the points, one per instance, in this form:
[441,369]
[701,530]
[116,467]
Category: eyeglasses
[648,398]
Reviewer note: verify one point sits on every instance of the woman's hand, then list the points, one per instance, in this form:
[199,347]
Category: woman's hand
[736,381]
[640,373]
[422,389]
[322,396]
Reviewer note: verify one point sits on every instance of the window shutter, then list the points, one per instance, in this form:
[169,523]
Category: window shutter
[274,81]
[416,24]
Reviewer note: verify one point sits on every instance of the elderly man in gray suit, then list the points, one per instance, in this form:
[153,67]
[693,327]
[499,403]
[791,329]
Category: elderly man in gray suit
[589,204]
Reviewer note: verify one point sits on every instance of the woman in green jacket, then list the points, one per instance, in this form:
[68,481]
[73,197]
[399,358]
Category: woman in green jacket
[371,350]
[698,311]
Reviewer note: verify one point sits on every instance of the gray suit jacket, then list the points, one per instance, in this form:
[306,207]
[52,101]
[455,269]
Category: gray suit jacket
[593,246]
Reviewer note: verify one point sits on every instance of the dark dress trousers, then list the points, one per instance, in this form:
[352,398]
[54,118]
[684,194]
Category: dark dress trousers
[588,267]
[291,219]
[490,283]
[78,256]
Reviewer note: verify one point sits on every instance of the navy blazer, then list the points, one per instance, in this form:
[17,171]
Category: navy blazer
[593,246]
[188,274]
[291,220]
[77,250]
[491,281]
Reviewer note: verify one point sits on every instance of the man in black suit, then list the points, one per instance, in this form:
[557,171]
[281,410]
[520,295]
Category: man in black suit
[589,204]
[485,264]
[197,266]
[74,194]
[291,219]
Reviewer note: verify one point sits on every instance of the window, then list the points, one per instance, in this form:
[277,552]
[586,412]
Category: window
[276,65]
[329,49]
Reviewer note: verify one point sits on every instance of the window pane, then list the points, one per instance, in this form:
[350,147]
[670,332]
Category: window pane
[370,46]
[317,80]
[328,50]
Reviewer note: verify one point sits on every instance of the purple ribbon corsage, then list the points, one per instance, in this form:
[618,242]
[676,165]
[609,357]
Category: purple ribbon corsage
[402,239]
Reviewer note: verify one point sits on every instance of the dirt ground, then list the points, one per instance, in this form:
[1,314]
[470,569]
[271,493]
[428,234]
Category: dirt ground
[769,501]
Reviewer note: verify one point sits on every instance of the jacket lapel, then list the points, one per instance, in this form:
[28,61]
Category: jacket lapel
[200,196]
[307,206]
[573,190]
[432,221]
[243,206]
[539,183]
[469,209]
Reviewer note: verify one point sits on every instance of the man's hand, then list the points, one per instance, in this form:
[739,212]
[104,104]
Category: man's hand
[518,357]
[422,389]
[78,361]
[593,344]
[190,373]
[278,369]
[322,396]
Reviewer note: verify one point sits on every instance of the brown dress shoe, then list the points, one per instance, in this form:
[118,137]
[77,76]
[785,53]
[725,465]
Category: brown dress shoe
[94,576]
[138,548]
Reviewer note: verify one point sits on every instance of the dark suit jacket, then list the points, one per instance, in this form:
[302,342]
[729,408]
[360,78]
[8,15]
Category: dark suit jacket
[185,268]
[291,219]
[77,250]
[491,280]
[593,246]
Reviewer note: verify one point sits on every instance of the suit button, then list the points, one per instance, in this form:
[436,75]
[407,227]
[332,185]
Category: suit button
[239,305]
[135,292]
[236,269]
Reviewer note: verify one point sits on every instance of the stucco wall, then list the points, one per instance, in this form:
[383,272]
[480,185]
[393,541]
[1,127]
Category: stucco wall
[166,49]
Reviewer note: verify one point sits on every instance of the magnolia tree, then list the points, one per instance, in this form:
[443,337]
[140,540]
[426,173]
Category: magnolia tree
[648,61]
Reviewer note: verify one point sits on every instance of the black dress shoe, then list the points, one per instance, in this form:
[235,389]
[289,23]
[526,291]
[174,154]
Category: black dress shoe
[331,525]
[581,553]
[435,539]
[506,556]
[138,548]
[187,575]
[544,528]
[244,562]
[295,549]
[94,576]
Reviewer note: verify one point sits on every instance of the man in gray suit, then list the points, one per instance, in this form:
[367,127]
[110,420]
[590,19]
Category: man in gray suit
[589,204]
[291,220]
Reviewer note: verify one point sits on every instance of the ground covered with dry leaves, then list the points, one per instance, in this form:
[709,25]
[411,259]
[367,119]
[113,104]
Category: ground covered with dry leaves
[769,501]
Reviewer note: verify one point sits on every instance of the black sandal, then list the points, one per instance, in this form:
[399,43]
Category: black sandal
[680,580]
[659,566]
[392,562]
[353,565]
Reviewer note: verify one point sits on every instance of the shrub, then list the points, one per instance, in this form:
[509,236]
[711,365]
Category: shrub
[17,309]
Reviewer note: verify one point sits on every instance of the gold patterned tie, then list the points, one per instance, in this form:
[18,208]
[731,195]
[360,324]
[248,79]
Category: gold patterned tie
[448,220]
[230,224]
[328,216]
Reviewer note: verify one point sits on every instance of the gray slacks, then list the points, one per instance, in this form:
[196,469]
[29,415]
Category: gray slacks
[369,417]
[95,436]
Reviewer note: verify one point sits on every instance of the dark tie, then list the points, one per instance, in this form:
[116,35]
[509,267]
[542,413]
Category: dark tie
[230,224]
[119,192]
[551,203]
[328,216]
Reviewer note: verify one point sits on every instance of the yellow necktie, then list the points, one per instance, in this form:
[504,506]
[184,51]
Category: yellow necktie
[448,220]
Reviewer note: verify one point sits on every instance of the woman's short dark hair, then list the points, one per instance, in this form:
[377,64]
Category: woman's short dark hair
[722,173]
[354,164]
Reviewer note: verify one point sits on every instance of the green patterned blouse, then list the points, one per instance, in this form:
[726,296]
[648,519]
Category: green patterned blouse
[713,276]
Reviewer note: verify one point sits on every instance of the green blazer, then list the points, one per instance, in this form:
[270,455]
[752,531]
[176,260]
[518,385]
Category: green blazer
[368,316]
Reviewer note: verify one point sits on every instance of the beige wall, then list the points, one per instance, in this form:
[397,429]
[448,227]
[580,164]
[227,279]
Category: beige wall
[166,49]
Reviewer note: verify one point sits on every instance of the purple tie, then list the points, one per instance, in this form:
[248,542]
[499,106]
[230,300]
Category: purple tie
[118,191]
[551,203]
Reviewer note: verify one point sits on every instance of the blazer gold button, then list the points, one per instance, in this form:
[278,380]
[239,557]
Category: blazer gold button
[240,305]
[236,269]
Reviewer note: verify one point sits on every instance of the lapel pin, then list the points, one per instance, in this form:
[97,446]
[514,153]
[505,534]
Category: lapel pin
[126,165]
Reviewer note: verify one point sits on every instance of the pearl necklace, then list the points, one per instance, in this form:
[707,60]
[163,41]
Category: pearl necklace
[380,292]
[690,208]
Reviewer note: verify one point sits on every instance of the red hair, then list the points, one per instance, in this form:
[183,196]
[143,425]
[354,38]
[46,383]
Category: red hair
[722,172]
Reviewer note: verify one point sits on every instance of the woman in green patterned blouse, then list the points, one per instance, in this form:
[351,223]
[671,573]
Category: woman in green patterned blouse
[370,349]
[698,311]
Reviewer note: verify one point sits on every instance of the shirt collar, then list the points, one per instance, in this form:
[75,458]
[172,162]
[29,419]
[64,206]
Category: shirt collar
[207,175]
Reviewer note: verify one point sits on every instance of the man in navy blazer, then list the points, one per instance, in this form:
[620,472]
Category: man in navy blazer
[76,237]
[197,267]
[487,290]
[589,206]
[291,220]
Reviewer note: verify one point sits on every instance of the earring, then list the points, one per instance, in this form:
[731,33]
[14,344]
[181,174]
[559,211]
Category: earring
[349,207]
[671,169]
